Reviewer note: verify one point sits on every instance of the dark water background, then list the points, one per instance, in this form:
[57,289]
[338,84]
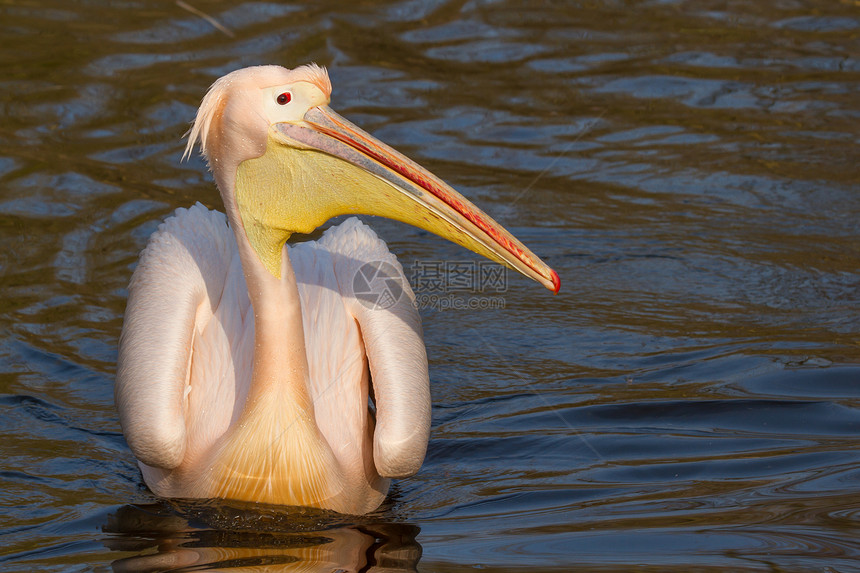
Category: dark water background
[689,402]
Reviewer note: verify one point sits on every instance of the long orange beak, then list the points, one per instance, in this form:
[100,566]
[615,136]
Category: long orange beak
[355,173]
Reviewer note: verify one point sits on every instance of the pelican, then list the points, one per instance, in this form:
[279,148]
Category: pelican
[249,369]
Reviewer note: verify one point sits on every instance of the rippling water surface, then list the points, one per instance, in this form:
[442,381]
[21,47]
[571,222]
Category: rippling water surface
[689,401]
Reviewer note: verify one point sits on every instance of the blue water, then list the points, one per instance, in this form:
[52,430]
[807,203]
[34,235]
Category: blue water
[689,401]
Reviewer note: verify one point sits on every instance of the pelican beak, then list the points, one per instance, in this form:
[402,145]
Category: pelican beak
[328,166]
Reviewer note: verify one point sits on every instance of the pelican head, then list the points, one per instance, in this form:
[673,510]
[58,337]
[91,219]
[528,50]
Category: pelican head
[286,163]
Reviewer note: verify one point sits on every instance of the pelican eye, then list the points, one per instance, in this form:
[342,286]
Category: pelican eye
[284,98]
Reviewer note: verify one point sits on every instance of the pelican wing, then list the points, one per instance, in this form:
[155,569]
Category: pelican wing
[177,284]
[377,294]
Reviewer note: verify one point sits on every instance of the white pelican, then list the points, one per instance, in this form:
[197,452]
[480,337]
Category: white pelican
[245,366]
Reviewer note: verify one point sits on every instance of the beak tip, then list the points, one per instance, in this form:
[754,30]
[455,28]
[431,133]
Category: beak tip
[556,282]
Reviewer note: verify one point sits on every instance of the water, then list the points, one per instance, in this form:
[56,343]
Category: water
[689,401]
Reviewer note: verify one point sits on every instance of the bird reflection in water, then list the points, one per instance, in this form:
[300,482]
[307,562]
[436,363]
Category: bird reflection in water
[214,536]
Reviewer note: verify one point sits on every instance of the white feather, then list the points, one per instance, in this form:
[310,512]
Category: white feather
[187,347]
